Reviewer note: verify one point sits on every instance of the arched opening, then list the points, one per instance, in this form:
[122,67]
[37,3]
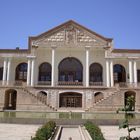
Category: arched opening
[42,96]
[98,96]
[10,99]
[129,95]
[70,99]
[119,73]
[44,73]
[21,72]
[70,70]
[96,74]
[1,73]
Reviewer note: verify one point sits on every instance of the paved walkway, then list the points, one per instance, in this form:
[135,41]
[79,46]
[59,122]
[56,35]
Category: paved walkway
[114,133]
[70,132]
[24,132]
[17,131]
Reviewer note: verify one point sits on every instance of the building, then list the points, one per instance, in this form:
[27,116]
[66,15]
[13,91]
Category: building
[66,67]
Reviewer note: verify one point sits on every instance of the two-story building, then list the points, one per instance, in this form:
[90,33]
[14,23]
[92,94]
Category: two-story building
[66,67]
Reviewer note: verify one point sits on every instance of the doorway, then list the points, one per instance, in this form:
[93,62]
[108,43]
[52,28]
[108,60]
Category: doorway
[10,99]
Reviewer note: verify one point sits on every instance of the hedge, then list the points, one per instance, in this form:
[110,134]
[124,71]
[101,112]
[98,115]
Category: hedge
[94,131]
[45,132]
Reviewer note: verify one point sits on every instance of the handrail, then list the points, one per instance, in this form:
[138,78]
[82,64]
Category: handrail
[70,83]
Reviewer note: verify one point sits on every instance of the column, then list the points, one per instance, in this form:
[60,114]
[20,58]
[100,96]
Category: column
[8,70]
[111,74]
[87,66]
[29,72]
[107,74]
[53,67]
[32,71]
[130,72]
[135,72]
[4,71]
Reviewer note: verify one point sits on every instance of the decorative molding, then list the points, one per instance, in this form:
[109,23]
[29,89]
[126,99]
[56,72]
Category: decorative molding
[70,35]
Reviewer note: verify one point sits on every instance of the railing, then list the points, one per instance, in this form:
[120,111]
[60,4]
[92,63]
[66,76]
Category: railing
[61,83]
[96,83]
[44,82]
[12,83]
[70,83]
[127,85]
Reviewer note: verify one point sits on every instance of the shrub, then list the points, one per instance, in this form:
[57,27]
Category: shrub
[94,131]
[45,132]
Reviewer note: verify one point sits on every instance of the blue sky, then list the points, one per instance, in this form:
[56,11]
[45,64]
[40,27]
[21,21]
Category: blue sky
[117,19]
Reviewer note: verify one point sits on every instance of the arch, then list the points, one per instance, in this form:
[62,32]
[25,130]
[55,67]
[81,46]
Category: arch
[1,73]
[44,72]
[21,72]
[96,72]
[42,96]
[119,73]
[70,99]
[70,69]
[127,96]
[41,93]
[10,99]
[98,96]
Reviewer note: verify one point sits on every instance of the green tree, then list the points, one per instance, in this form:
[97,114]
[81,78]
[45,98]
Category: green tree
[130,104]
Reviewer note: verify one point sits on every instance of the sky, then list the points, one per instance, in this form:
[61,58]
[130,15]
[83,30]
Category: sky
[117,19]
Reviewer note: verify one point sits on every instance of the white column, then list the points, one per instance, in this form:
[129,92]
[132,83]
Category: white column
[8,70]
[130,72]
[135,72]
[32,71]
[53,67]
[107,74]
[87,66]
[111,74]
[4,71]
[29,72]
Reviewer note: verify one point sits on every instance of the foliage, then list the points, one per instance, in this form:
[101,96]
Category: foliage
[130,101]
[45,132]
[94,131]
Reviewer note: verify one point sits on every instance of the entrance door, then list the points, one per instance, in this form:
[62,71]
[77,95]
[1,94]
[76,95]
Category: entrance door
[10,99]
[70,100]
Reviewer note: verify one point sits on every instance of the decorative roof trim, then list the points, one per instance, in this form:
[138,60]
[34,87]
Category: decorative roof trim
[126,51]
[64,24]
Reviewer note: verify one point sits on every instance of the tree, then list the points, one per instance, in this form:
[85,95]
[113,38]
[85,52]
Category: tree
[130,101]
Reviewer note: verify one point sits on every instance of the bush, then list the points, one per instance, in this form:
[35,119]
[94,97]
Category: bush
[94,131]
[45,132]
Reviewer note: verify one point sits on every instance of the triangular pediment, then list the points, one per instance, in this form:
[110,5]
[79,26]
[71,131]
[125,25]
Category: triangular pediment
[70,33]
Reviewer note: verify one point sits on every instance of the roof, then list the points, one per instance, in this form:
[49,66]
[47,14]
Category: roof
[67,23]
[126,51]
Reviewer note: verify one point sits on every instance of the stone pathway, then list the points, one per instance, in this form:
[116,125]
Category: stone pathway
[70,132]
[24,132]
[113,132]
[17,131]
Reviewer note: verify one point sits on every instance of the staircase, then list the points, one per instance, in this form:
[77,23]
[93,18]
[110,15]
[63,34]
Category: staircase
[41,98]
[108,103]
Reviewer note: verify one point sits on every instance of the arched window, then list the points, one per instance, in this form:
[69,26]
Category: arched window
[21,72]
[119,73]
[70,69]
[96,72]
[45,72]
[1,73]
[98,96]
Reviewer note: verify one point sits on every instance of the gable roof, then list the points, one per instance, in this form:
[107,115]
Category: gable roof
[71,22]
[65,24]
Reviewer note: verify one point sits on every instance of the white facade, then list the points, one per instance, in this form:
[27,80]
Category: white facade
[72,41]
